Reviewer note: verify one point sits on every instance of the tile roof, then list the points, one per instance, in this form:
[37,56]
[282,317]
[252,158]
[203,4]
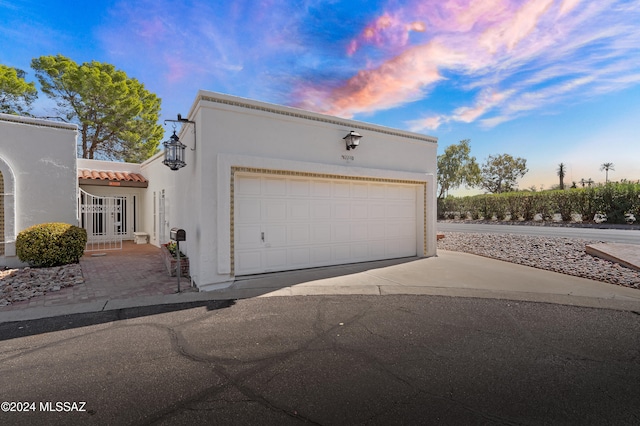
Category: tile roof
[111,178]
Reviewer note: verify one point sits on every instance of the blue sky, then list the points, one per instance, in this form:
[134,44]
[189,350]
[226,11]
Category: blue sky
[548,80]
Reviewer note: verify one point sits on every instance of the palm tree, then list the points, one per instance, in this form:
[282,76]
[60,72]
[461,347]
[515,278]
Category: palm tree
[606,167]
[561,174]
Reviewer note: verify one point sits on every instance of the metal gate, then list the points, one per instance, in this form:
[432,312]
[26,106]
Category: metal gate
[102,218]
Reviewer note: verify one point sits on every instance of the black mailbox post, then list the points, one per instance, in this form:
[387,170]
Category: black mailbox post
[177,235]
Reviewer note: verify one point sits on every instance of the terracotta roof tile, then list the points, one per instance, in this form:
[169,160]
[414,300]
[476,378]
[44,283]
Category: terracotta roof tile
[111,176]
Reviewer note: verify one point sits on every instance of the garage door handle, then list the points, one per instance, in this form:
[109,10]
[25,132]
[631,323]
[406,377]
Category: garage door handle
[262,236]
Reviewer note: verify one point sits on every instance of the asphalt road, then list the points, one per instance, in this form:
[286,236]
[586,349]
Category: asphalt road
[626,236]
[330,360]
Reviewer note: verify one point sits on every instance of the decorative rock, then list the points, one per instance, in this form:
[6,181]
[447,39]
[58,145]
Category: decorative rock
[564,255]
[22,284]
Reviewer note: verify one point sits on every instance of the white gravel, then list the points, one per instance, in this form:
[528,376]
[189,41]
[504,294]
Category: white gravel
[564,255]
[24,283]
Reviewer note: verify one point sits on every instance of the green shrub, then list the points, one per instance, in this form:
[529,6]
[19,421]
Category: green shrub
[529,207]
[563,202]
[615,200]
[51,244]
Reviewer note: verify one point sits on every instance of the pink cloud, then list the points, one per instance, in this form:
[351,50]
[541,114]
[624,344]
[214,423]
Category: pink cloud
[484,40]
[510,32]
[427,123]
[387,31]
[567,6]
[486,101]
[396,81]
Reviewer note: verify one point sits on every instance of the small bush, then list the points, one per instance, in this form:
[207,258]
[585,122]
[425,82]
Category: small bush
[51,244]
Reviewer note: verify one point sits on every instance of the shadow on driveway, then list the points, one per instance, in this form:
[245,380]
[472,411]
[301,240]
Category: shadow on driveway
[17,329]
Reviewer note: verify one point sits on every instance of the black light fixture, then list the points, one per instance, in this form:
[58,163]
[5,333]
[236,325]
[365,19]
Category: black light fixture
[174,152]
[352,140]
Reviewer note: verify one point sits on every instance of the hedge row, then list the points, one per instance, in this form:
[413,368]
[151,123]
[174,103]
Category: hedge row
[620,202]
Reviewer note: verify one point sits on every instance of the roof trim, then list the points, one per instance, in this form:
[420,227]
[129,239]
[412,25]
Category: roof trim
[37,122]
[307,115]
[111,178]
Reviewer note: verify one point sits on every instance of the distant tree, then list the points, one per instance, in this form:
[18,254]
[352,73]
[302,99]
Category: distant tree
[500,173]
[16,95]
[456,167]
[606,167]
[117,116]
[574,185]
[561,174]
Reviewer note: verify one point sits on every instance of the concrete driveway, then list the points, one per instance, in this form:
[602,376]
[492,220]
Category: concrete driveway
[448,274]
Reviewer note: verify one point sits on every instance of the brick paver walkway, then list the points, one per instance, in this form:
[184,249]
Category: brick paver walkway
[136,270]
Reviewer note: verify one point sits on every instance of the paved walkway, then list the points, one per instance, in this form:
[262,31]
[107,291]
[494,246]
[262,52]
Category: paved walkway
[624,254]
[136,276]
[135,271]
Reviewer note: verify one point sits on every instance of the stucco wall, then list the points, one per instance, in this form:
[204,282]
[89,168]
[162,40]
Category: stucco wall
[240,132]
[38,163]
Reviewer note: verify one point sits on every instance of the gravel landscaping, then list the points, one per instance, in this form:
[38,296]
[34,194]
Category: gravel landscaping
[564,255]
[22,284]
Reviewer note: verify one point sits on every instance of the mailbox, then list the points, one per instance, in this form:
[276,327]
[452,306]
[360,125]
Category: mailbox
[177,234]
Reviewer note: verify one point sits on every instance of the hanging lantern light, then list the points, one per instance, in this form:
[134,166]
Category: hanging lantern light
[174,153]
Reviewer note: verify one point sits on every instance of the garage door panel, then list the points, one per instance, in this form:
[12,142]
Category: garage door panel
[248,210]
[360,190]
[249,261]
[275,234]
[359,211]
[248,236]
[300,256]
[360,251]
[342,189]
[320,210]
[320,255]
[341,252]
[341,211]
[359,231]
[298,234]
[299,210]
[400,210]
[376,230]
[320,189]
[341,232]
[377,191]
[320,233]
[407,229]
[319,222]
[377,211]
[276,259]
[274,186]
[377,249]
[299,188]
[248,186]
[275,210]
[399,192]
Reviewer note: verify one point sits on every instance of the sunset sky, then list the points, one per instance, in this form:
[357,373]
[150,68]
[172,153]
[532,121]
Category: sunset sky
[548,80]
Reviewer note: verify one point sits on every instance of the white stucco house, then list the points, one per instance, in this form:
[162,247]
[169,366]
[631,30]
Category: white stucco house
[270,188]
[38,181]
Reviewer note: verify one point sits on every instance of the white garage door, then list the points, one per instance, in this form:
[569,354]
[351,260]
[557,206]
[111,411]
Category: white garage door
[285,223]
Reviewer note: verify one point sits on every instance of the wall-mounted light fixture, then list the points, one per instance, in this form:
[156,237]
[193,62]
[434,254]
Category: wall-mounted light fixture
[174,152]
[174,149]
[352,140]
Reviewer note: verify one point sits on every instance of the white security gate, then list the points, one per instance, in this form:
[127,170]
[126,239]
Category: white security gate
[286,223]
[103,219]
